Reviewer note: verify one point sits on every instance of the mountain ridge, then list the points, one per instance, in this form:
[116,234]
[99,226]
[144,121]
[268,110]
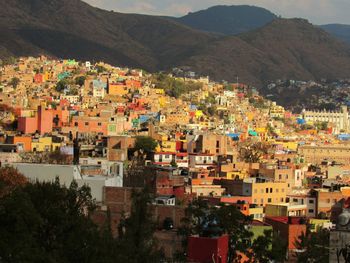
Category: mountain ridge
[228,19]
[283,48]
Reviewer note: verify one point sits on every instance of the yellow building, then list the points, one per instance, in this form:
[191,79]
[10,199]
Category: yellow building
[167,146]
[179,118]
[276,111]
[159,91]
[257,213]
[45,144]
[199,113]
[117,89]
[265,192]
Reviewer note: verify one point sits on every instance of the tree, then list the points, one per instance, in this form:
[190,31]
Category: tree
[227,219]
[100,68]
[313,246]
[145,143]
[252,152]
[10,179]
[174,87]
[136,232]
[47,222]
[14,82]
[80,80]
[173,163]
[61,85]
[7,61]
[266,248]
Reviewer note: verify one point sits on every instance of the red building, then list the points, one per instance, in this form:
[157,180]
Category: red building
[289,228]
[207,249]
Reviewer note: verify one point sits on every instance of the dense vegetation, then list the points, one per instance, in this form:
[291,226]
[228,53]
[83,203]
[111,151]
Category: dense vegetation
[174,87]
[48,222]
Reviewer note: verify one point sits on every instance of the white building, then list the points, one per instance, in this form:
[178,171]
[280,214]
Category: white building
[111,175]
[340,119]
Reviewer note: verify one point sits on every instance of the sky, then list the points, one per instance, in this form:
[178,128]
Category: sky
[316,11]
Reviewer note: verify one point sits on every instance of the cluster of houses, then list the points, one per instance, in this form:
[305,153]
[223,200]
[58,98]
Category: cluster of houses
[79,121]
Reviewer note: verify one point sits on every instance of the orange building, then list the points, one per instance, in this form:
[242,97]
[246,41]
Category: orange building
[118,89]
[131,83]
[86,124]
[288,228]
[23,143]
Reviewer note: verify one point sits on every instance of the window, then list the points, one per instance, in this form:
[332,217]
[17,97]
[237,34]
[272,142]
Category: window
[282,190]
[282,199]
[311,201]
[295,200]
[262,200]
[255,201]
[280,176]
[270,190]
[328,200]
[86,124]
[166,156]
[76,124]
[311,210]
[269,200]
[262,191]
[277,190]
[99,124]
[267,190]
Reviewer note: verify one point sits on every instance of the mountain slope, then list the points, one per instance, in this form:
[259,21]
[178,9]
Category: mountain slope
[283,49]
[338,30]
[228,20]
[72,29]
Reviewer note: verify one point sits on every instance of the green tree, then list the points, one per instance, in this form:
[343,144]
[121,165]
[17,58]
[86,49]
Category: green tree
[228,220]
[7,61]
[173,163]
[47,222]
[145,143]
[266,248]
[14,82]
[80,80]
[136,233]
[313,246]
[61,85]
[100,69]
[174,87]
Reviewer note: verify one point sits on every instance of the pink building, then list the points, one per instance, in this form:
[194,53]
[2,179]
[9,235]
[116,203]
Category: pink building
[44,120]
[27,125]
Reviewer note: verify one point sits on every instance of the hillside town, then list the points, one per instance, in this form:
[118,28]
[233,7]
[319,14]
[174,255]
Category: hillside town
[187,139]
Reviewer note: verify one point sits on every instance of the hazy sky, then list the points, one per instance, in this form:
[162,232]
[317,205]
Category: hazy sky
[317,11]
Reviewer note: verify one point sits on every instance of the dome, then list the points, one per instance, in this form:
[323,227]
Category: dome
[344,218]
